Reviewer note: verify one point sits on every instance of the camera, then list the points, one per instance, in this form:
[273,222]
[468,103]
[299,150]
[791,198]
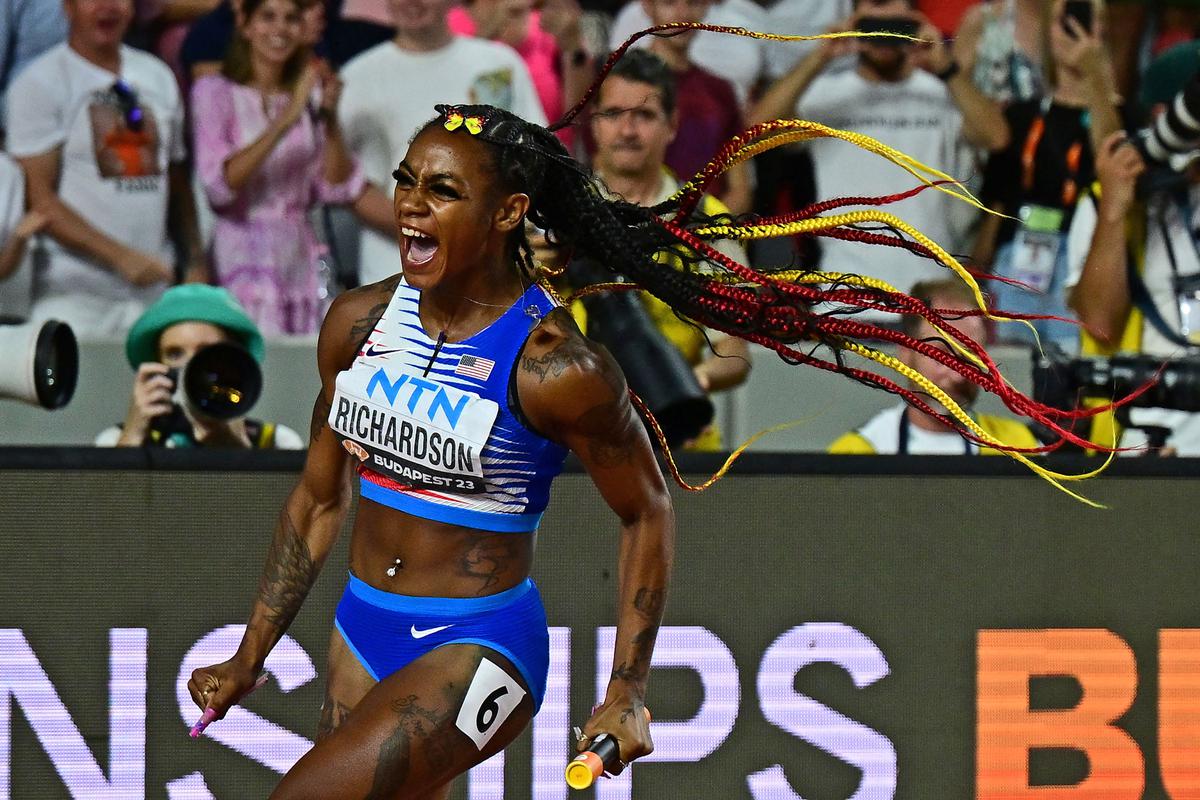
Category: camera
[221,381]
[39,364]
[1061,382]
[1175,133]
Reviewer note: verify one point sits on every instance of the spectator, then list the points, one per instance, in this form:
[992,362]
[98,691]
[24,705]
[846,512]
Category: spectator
[548,41]
[266,152]
[1000,45]
[633,124]
[911,97]
[1039,177]
[98,129]
[28,28]
[904,430]
[16,228]
[185,320]
[207,42]
[739,60]
[1148,307]
[708,111]
[390,91]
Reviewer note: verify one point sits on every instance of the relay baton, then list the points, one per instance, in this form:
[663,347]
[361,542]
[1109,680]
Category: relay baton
[210,714]
[600,757]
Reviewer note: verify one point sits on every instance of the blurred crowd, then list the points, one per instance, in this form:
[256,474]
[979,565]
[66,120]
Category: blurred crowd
[250,145]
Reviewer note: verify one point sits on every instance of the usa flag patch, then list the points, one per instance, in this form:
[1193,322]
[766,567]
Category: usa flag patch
[475,367]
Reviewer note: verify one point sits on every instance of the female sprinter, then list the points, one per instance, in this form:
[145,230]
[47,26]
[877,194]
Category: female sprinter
[459,387]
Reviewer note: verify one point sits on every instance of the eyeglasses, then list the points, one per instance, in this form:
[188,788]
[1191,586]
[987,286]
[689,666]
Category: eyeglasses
[127,99]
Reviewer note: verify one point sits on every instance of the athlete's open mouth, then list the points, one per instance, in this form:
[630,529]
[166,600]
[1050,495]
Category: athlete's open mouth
[419,247]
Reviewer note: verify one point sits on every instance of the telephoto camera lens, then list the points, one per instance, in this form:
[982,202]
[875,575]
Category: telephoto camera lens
[222,381]
[39,365]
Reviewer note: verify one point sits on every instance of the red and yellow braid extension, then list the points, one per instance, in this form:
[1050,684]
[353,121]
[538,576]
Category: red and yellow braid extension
[773,308]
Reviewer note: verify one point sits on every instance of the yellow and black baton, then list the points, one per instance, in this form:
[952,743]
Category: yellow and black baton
[600,757]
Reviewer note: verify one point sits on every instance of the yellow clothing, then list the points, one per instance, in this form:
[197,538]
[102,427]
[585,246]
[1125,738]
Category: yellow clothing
[1009,431]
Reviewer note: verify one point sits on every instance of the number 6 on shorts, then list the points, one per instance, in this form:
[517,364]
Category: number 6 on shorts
[492,696]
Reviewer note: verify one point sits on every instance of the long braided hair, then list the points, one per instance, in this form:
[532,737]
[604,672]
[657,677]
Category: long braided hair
[777,309]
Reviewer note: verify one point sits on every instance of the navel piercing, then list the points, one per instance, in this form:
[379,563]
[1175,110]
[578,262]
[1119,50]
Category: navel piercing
[391,571]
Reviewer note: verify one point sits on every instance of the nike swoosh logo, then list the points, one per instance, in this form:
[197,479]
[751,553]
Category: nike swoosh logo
[417,634]
[371,351]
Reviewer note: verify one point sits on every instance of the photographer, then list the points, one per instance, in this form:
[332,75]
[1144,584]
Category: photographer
[186,319]
[1148,306]
[913,96]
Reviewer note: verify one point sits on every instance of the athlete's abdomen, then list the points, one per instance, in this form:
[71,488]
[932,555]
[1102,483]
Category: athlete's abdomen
[436,559]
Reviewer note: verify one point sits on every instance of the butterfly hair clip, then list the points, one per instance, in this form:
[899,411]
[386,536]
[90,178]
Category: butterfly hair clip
[455,119]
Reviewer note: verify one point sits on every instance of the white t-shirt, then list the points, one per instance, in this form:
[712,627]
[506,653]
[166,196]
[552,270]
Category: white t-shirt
[915,116]
[1157,277]
[389,93]
[15,291]
[737,59]
[883,432]
[112,174]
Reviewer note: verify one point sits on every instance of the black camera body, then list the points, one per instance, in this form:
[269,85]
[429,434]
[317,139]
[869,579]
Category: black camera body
[1063,383]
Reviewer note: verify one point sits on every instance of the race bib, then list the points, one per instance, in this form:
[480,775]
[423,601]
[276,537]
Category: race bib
[412,428]
[1036,246]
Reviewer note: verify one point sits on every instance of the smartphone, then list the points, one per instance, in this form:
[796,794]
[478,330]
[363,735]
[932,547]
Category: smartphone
[1082,11]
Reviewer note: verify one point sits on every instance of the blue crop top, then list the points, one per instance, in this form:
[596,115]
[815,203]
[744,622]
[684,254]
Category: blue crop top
[433,429]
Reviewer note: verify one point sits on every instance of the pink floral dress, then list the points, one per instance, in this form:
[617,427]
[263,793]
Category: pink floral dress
[264,249]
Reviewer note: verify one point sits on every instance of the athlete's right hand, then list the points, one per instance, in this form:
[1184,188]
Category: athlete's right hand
[220,686]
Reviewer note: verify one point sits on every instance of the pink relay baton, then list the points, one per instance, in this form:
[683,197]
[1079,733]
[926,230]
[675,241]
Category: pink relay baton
[210,714]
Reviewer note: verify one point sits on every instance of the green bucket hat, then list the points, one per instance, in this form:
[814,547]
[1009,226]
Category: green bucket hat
[191,302]
[1166,75]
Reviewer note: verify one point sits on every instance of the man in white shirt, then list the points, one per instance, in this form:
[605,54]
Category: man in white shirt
[909,96]
[98,130]
[389,93]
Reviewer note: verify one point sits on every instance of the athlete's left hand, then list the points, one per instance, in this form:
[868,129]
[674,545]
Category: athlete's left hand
[625,719]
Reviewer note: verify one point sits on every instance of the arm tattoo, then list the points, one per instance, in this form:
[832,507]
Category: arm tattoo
[489,558]
[635,668]
[319,416]
[650,602]
[417,728]
[366,324]
[571,350]
[288,574]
